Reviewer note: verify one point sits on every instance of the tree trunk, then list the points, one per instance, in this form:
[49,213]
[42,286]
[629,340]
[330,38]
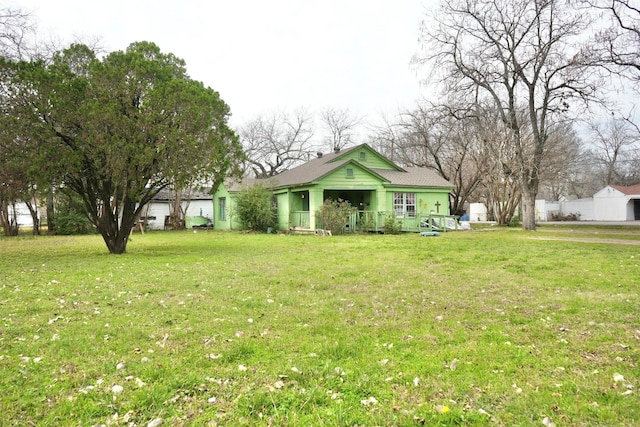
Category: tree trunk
[115,231]
[35,218]
[8,221]
[51,227]
[528,209]
[117,244]
[178,218]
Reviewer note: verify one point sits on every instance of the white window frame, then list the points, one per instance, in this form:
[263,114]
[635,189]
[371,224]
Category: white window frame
[404,205]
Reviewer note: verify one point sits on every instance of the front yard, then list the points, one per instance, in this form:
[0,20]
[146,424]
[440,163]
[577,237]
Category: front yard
[223,328]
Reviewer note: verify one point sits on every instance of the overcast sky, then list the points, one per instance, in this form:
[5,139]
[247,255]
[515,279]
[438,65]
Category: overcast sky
[265,55]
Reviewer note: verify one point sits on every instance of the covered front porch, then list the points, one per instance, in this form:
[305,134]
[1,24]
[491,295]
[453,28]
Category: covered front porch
[305,204]
[374,222]
[372,209]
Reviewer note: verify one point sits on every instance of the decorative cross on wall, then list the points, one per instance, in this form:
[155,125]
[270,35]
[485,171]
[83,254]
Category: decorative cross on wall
[437,207]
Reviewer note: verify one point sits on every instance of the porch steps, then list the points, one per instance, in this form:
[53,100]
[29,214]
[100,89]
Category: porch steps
[317,231]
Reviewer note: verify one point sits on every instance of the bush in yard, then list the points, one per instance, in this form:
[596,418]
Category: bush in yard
[254,208]
[516,220]
[392,225]
[367,223]
[70,218]
[334,215]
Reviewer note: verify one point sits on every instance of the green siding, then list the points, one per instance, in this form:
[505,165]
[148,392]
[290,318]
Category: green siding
[427,200]
[371,158]
[283,210]
[362,179]
[377,198]
[218,222]
[227,223]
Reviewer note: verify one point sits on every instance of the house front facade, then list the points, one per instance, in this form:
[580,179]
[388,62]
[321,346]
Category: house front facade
[196,205]
[371,183]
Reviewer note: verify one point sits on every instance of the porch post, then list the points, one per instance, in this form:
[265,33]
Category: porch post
[315,201]
[381,205]
[381,196]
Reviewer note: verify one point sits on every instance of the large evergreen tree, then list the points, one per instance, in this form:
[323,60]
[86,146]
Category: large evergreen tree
[117,130]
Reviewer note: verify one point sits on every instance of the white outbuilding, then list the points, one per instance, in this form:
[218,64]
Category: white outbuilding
[198,208]
[617,203]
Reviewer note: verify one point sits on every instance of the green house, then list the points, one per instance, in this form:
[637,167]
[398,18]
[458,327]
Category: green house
[369,181]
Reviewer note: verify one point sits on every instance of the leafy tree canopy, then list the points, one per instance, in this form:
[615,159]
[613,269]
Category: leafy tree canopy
[118,129]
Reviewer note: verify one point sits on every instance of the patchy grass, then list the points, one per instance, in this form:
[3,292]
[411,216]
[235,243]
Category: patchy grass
[209,328]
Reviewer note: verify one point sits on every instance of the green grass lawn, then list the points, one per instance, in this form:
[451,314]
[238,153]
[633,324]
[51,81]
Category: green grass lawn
[468,328]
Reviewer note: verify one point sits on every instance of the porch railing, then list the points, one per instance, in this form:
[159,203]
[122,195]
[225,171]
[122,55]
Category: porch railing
[374,221]
[299,219]
[419,222]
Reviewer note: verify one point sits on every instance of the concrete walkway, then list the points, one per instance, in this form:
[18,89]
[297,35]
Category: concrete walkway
[602,223]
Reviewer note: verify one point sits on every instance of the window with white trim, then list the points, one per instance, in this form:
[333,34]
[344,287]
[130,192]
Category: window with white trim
[404,205]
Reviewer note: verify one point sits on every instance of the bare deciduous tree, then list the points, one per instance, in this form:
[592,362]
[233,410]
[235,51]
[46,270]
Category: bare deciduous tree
[520,55]
[619,42]
[341,127]
[16,33]
[618,51]
[499,189]
[16,29]
[274,143]
[564,160]
[442,140]
[432,137]
[386,136]
[616,146]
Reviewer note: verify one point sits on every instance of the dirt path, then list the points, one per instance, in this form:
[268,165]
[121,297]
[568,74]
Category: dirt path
[586,235]
[590,240]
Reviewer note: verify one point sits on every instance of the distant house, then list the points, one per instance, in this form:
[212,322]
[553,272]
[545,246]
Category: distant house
[198,209]
[617,203]
[376,186]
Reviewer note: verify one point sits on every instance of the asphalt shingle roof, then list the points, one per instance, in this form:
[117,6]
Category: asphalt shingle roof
[320,166]
[166,195]
[307,172]
[419,177]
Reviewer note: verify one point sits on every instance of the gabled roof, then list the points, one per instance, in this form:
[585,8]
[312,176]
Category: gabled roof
[632,190]
[417,177]
[324,164]
[307,172]
[239,184]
